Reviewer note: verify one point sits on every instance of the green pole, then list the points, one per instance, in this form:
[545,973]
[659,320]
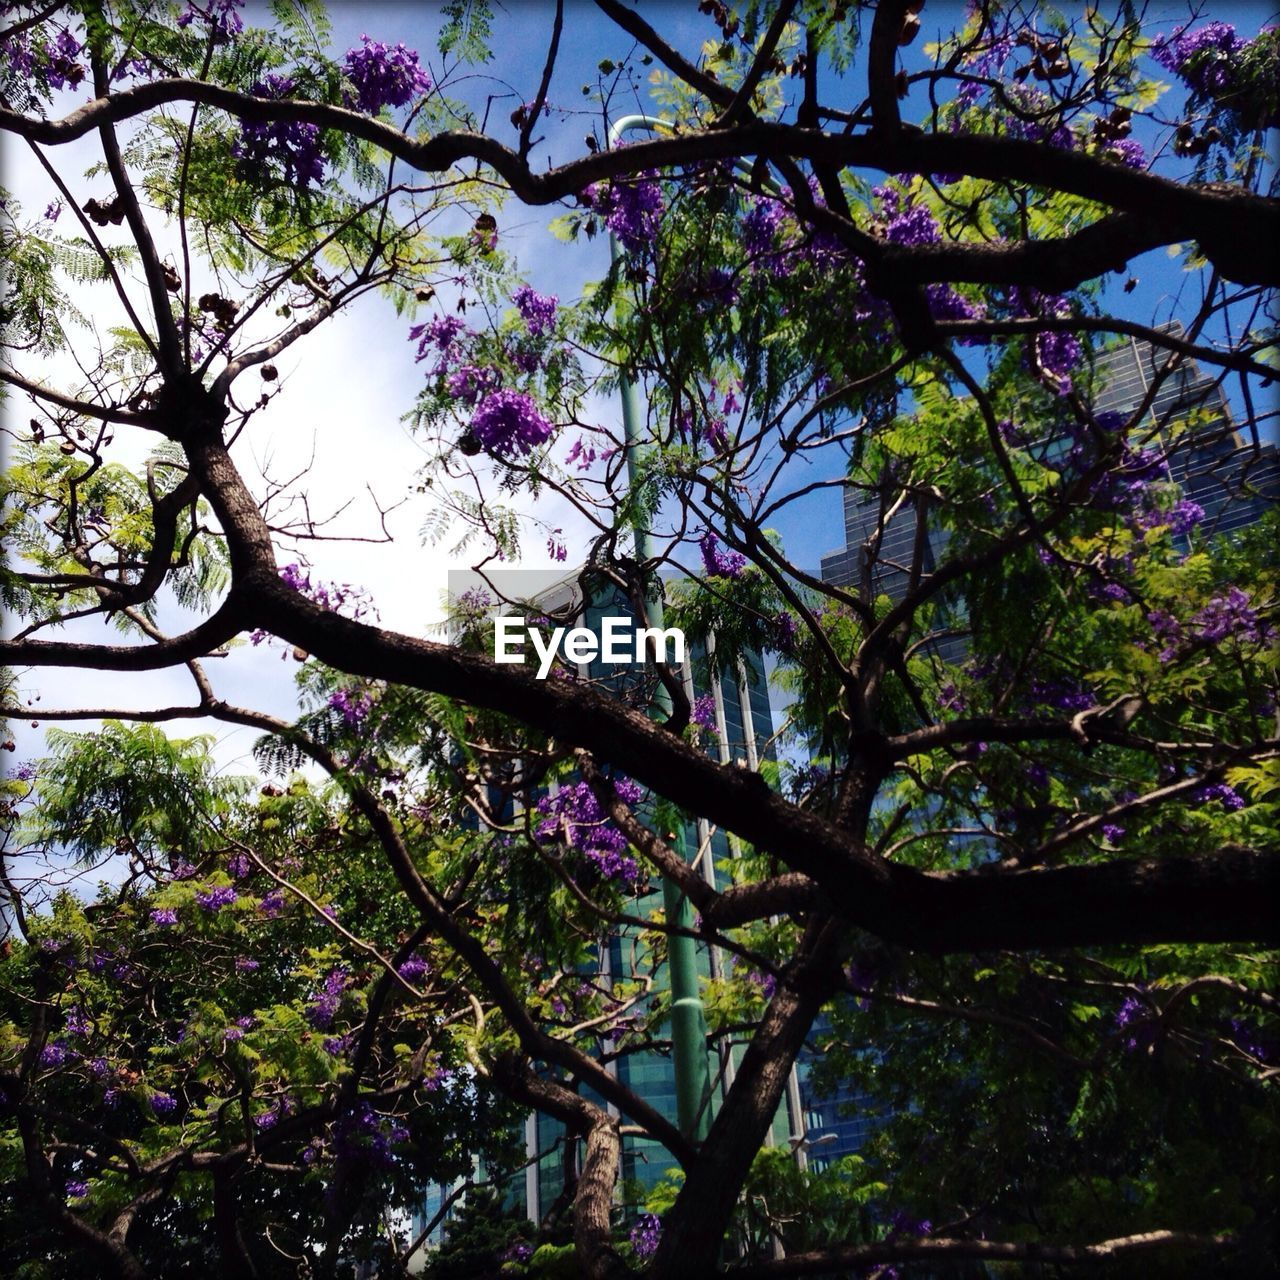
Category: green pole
[688,1024]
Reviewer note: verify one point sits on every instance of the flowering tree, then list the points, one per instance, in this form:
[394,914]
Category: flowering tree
[1022,884]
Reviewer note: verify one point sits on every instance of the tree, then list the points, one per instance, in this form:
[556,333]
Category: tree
[1028,880]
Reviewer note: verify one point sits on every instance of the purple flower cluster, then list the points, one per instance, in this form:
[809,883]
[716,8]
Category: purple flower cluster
[1112,833]
[645,1235]
[575,814]
[509,421]
[760,226]
[632,209]
[913,224]
[334,596]
[213,900]
[536,310]
[163,1104]
[75,1189]
[363,1137]
[294,145]
[413,968]
[720,562]
[1130,153]
[164,917]
[1231,614]
[61,68]
[1205,58]
[1063,695]
[1228,797]
[239,866]
[269,1119]
[437,334]
[219,15]
[1057,354]
[325,1007]
[1133,1020]
[468,382]
[271,905]
[353,706]
[784,632]
[384,77]
[54,1054]
[583,453]
[704,711]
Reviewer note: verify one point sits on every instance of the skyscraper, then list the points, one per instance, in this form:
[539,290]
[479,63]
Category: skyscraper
[1226,470]
[743,732]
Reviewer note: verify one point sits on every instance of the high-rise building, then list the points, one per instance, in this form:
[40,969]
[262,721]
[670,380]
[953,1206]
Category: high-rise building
[743,733]
[1227,471]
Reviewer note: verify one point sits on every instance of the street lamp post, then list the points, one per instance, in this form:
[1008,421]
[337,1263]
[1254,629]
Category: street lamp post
[688,1025]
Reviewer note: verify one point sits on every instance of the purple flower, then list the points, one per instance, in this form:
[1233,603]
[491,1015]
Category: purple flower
[233,1033]
[354,709]
[1133,1014]
[438,334]
[1185,516]
[291,144]
[55,1054]
[384,77]
[1112,833]
[509,421]
[53,210]
[760,226]
[272,905]
[1226,796]
[363,1137]
[164,917]
[61,67]
[218,15]
[704,711]
[632,209]
[946,304]
[537,311]
[914,225]
[321,1013]
[413,968]
[645,1235]
[163,1104]
[1129,152]
[718,562]
[245,965]
[1204,58]
[76,1189]
[1230,614]
[575,815]
[213,900]
[239,866]
[784,632]
[268,1119]
[468,382]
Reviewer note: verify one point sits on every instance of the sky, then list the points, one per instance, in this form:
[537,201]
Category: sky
[346,387]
